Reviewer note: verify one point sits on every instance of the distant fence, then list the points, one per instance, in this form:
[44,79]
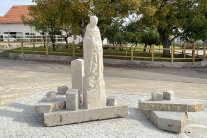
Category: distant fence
[127,52]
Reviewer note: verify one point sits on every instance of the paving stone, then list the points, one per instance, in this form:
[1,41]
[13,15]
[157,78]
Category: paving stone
[169,95]
[62,90]
[77,68]
[45,107]
[72,102]
[157,96]
[178,104]
[19,117]
[168,121]
[111,101]
[64,117]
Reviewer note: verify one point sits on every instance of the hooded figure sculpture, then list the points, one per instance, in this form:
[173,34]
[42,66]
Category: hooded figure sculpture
[94,85]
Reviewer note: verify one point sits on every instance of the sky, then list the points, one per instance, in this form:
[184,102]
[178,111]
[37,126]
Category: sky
[5,5]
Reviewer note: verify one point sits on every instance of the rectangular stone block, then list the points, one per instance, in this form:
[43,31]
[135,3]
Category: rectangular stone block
[77,67]
[72,102]
[64,117]
[168,121]
[178,104]
[51,96]
[45,107]
[157,96]
[111,101]
[169,95]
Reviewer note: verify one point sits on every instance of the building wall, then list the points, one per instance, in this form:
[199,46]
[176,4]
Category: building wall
[20,27]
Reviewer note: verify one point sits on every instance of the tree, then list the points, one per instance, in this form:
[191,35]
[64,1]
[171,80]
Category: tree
[195,30]
[44,17]
[109,10]
[150,37]
[113,32]
[39,27]
[70,17]
[169,17]
[132,34]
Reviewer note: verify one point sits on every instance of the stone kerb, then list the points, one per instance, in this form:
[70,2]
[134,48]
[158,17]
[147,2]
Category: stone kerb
[107,62]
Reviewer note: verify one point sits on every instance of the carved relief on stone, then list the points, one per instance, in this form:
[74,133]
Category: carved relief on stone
[94,85]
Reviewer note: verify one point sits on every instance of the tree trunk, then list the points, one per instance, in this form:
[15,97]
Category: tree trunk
[166,43]
[150,48]
[53,46]
[145,46]
[53,42]
[66,41]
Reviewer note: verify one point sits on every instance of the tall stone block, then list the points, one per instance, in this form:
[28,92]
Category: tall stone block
[77,67]
[72,103]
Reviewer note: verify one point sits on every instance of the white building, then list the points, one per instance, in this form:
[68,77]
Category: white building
[11,22]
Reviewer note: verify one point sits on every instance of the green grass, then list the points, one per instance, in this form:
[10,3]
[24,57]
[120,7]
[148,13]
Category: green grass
[63,51]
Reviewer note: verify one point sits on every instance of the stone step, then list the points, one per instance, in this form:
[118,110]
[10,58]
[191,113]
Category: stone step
[64,117]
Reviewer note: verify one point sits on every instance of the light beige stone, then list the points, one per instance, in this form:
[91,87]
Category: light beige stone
[178,104]
[45,107]
[111,101]
[51,96]
[168,121]
[64,117]
[62,90]
[94,84]
[169,95]
[72,102]
[157,96]
[77,67]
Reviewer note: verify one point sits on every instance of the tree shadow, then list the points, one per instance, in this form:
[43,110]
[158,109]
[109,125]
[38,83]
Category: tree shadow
[137,115]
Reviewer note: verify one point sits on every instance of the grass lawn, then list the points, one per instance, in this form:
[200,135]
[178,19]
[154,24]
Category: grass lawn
[108,53]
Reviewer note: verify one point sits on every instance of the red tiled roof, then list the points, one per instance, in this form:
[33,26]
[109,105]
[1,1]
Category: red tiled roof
[14,14]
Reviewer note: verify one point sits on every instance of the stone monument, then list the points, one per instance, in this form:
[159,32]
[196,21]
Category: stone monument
[94,85]
[86,101]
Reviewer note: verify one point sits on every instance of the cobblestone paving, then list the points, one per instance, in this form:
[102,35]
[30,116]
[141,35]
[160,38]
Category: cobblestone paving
[18,119]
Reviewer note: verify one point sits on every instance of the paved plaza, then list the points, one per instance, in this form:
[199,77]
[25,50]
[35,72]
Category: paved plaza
[23,83]
[21,77]
[18,119]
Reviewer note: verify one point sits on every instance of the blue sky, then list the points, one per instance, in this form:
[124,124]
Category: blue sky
[5,5]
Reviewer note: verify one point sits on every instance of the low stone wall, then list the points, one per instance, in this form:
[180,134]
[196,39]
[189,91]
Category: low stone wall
[107,62]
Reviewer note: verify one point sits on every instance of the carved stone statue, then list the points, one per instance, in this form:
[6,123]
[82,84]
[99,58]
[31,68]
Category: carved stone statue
[94,85]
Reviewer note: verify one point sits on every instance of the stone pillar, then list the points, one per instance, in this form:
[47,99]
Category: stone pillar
[77,67]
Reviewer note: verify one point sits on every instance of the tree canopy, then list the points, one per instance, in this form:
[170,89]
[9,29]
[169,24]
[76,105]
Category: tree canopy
[169,17]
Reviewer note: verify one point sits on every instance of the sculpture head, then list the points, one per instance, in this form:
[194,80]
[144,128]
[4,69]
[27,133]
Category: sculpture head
[93,21]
